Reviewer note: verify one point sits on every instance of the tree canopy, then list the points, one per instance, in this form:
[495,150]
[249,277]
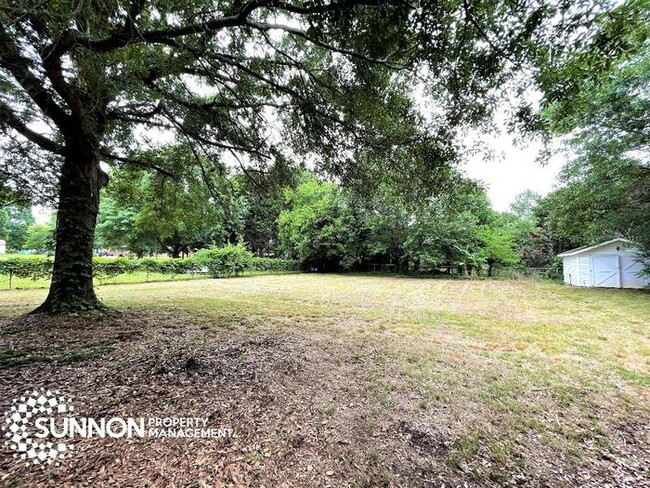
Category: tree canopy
[605,116]
[253,83]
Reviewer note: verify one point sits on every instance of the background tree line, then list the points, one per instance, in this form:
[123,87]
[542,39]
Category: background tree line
[341,89]
[293,214]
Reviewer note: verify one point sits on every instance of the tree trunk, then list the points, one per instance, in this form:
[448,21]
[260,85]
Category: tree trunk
[176,252]
[71,289]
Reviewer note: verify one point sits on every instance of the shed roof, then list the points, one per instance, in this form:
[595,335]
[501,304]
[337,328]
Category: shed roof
[580,250]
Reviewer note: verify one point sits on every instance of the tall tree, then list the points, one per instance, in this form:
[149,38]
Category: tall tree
[606,112]
[498,246]
[260,199]
[444,230]
[320,227]
[524,203]
[85,82]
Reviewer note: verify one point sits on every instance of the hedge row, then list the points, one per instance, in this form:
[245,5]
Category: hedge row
[28,267]
[218,262]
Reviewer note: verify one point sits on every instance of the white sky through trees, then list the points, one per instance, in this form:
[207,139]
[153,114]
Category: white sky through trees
[514,170]
[509,170]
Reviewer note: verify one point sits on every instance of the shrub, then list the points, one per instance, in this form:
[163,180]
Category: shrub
[230,260]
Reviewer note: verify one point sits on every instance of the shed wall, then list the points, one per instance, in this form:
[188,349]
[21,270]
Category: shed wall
[579,270]
[571,270]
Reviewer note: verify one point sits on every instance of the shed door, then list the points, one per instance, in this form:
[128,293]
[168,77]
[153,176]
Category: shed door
[631,266]
[606,270]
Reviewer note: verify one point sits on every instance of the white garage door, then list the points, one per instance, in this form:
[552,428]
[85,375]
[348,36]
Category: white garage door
[606,271]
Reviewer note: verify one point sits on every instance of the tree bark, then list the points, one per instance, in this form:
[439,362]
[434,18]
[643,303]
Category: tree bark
[71,289]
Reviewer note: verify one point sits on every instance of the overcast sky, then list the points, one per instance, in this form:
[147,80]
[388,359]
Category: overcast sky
[516,170]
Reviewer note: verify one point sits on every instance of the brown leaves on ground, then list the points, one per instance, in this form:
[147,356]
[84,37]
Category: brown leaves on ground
[309,408]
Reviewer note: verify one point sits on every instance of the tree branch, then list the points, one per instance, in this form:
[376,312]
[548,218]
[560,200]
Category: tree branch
[9,119]
[19,67]
[302,34]
[129,34]
[54,72]
[188,133]
[136,162]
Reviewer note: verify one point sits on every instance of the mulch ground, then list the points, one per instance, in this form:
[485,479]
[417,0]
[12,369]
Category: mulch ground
[303,406]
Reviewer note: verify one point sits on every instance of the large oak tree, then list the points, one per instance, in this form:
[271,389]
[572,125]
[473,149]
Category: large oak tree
[86,82]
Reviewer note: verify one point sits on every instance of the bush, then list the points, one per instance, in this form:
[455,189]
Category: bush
[230,260]
[554,269]
[35,267]
[169,266]
[104,268]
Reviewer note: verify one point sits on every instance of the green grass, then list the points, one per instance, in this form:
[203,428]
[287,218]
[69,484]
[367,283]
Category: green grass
[506,319]
[515,370]
[541,328]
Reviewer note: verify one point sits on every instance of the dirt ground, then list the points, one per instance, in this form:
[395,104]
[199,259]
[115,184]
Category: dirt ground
[314,402]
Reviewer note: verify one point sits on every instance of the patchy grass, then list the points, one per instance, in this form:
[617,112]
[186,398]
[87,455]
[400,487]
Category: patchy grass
[349,381]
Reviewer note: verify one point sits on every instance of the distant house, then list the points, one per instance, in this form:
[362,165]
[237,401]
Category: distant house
[3,247]
[610,264]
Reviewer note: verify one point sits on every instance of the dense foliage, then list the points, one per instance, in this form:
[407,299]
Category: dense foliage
[604,112]
[256,82]
[327,228]
[149,212]
[218,262]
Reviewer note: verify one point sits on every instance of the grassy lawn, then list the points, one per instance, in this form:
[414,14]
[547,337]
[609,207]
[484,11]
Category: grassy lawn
[338,380]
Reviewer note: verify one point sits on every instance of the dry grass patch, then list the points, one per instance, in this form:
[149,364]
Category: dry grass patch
[348,381]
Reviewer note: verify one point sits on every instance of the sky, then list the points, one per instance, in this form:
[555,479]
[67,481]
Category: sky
[516,170]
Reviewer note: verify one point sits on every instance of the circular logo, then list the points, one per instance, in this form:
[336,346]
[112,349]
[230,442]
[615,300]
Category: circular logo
[18,427]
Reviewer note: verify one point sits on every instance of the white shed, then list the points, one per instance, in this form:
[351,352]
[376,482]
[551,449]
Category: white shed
[3,247]
[610,264]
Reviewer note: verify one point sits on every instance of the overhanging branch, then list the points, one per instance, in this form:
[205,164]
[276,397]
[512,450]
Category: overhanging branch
[330,47]
[129,34]
[136,162]
[19,67]
[9,119]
